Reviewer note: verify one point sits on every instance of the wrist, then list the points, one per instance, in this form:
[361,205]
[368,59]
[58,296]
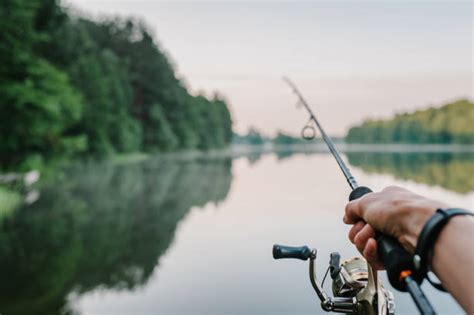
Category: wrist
[416,217]
[453,224]
[457,232]
[432,234]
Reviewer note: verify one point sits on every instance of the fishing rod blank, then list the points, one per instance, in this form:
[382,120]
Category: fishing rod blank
[345,170]
[397,261]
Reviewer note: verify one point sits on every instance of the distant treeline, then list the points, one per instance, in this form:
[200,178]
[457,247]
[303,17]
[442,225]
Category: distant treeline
[451,123]
[72,85]
[255,137]
[252,137]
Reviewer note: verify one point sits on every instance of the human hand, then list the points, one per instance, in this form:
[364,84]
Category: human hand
[394,211]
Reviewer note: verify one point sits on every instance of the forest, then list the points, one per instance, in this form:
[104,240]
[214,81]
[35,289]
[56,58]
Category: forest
[72,86]
[451,123]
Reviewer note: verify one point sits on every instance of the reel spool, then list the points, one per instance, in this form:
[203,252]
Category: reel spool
[351,279]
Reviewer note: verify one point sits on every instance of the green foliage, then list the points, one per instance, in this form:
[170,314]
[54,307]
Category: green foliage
[451,123]
[72,85]
[37,114]
[253,137]
[9,201]
[286,139]
[213,126]
[38,105]
[282,138]
[161,134]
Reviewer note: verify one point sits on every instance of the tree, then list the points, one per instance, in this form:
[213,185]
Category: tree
[74,85]
[451,123]
[38,106]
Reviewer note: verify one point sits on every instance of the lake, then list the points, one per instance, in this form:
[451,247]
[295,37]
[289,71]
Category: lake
[193,234]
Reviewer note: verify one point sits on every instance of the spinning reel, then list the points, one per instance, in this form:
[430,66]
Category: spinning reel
[355,287]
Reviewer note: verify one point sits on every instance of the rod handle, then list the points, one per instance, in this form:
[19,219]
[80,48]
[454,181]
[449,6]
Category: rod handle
[396,260]
[282,251]
[359,192]
[393,256]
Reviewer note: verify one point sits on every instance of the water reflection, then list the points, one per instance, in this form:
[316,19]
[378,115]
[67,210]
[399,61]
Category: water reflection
[106,228]
[99,226]
[453,171]
[449,170]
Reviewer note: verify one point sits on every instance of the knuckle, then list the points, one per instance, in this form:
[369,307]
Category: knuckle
[370,231]
[366,200]
[392,189]
[350,205]
[395,202]
[346,209]
[359,242]
[351,208]
[368,254]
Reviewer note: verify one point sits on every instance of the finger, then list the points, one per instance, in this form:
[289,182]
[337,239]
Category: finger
[352,212]
[355,229]
[361,238]
[370,253]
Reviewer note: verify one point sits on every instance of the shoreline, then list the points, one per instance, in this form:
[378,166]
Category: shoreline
[241,150]
[356,147]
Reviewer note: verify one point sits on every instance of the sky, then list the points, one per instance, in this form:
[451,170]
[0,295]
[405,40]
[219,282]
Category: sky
[352,60]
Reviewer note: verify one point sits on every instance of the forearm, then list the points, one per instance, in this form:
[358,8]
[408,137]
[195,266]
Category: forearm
[453,259]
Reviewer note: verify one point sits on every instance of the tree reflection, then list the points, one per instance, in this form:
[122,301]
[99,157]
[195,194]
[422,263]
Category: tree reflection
[453,171]
[99,226]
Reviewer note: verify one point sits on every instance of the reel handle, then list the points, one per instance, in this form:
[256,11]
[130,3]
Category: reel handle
[282,252]
[393,256]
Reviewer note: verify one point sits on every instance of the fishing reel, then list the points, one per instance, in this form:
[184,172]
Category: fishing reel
[355,287]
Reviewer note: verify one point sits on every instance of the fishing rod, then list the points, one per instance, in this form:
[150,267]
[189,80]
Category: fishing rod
[345,170]
[356,287]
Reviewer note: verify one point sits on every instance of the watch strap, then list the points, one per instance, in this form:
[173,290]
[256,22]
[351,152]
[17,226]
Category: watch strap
[428,236]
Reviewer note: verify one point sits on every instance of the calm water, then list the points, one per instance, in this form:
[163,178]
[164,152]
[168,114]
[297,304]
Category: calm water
[194,236]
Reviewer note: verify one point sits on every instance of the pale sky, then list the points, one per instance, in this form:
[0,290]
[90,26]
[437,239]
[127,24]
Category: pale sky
[351,59]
